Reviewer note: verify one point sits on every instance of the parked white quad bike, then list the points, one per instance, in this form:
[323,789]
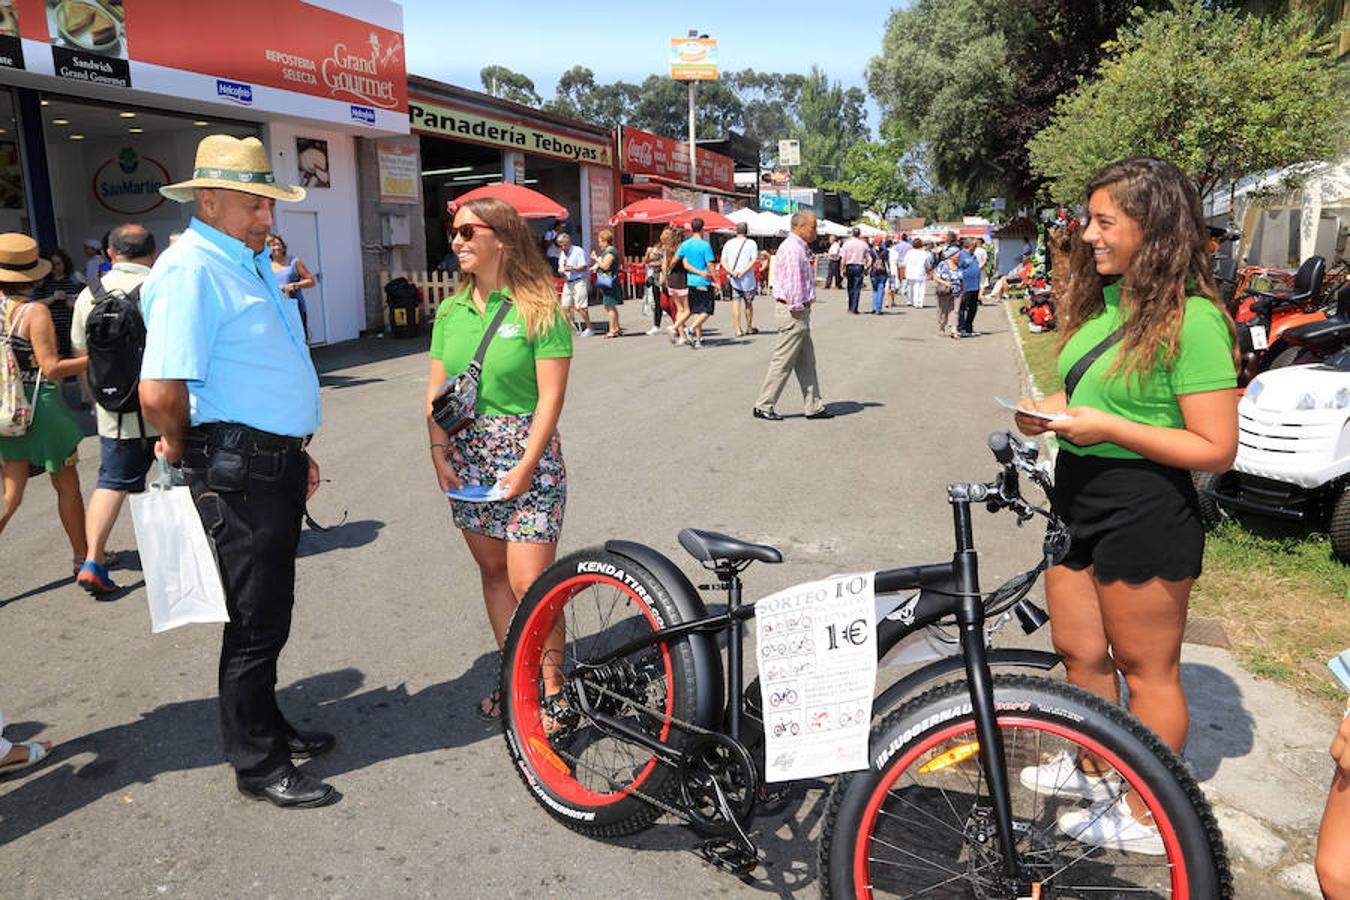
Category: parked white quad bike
[1293,459]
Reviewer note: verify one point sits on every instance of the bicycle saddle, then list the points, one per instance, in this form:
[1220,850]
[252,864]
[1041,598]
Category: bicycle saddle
[708,546]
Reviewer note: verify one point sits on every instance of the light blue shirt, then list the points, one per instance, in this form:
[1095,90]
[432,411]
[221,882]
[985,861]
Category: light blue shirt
[700,255]
[216,320]
[738,253]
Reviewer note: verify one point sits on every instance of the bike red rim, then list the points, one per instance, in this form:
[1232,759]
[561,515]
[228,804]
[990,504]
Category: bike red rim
[862,872]
[525,705]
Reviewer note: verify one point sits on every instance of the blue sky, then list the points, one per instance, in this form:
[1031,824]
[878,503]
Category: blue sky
[625,40]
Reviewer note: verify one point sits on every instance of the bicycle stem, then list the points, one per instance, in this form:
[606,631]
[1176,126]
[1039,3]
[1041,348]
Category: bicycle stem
[970,618]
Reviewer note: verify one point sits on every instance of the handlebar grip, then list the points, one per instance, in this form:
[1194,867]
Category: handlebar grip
[1001,444]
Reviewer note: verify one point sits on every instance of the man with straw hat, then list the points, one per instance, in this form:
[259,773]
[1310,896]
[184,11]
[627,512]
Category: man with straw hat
[228,382]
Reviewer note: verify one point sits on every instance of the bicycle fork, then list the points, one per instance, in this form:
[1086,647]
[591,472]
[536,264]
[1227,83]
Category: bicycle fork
[970,618]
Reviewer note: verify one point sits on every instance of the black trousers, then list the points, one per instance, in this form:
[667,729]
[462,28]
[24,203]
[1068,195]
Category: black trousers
[255,529]
[832,279]
[854,274]
[965,319]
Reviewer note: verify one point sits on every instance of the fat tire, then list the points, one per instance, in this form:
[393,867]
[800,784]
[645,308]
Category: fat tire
[1211,513]
[1286,357]
[1339,527]
[1156,763]
[630,814]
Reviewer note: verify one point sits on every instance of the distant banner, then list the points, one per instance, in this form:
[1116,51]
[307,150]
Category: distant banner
[693,59]
[645,153]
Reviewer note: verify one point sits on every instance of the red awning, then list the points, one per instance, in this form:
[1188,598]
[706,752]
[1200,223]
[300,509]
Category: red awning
[651,211]
[712,221]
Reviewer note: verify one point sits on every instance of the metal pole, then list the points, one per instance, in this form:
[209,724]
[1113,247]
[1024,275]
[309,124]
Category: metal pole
[693,162]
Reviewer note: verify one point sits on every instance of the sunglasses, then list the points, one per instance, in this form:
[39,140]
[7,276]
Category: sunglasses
[467,231]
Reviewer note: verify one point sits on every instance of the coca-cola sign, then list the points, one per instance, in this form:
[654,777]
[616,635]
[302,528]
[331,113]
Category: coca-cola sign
[645,153]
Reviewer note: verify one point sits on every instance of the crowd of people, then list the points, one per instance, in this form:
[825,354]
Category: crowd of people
[1147,359]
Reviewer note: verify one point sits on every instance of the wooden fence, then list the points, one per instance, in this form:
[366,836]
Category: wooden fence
[434,286]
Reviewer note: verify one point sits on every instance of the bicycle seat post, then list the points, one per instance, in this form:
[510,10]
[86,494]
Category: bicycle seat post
[730,576]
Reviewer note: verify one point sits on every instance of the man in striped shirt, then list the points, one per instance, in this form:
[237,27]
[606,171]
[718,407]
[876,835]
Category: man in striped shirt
[794,289]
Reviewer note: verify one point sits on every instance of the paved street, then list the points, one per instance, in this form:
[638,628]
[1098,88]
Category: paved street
[390,648]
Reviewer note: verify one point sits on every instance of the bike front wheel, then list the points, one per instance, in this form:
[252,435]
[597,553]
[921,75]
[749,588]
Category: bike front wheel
[919,822]
[592,777]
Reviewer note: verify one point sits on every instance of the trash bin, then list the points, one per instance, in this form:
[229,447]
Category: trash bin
[405,308]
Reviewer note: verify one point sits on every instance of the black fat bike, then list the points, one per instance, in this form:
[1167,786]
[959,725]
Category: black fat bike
[617,709]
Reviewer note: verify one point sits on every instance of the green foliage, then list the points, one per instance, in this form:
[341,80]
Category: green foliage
[879,174]
[830,120]
[1220,94]
[502,82]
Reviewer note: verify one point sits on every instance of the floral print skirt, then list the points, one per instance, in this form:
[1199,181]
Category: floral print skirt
[490,448]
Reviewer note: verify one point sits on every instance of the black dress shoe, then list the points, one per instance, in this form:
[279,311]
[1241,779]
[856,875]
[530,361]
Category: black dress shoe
[293,790]
[766,414]
[309,744]
[823,414]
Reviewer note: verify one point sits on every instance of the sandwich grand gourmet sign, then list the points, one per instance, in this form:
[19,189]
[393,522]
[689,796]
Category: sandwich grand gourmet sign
[645,153]
[259,53]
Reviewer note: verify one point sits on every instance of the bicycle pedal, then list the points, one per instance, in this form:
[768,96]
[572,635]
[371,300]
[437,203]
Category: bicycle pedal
[729,856]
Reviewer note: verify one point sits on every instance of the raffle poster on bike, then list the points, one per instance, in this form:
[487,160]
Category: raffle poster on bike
[818,668]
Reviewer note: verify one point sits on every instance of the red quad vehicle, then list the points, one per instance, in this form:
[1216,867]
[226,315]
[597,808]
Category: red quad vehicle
[1317,341]
[1264,318]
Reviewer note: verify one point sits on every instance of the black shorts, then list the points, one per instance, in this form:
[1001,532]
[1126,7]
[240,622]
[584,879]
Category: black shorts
[1130,519]
[701,300]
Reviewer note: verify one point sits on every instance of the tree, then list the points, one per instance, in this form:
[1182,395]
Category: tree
[1218,93]
[499,81]
[830,121]
[880,174]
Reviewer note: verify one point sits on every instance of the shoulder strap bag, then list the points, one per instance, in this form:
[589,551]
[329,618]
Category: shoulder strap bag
[453,407]
[1085,362]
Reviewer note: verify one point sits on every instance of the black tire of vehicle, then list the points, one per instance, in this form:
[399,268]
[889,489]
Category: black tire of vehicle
[1286,357]
[1211,513]
[1339,526]
[1057,704]
[629,814]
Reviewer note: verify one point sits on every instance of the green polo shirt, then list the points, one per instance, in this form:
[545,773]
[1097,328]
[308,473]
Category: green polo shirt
[509,386]
[1203,363]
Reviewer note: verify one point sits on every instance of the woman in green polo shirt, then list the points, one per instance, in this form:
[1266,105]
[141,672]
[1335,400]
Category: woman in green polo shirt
[1158,402]
[513,441]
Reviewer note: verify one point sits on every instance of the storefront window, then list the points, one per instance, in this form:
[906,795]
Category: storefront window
[449,169]
[560,181]
[13,202]
[108,161]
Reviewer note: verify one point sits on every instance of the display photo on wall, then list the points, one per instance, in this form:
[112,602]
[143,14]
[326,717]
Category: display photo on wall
[312,156]
[86,26]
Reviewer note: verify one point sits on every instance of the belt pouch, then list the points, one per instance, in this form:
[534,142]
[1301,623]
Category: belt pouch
[228,459]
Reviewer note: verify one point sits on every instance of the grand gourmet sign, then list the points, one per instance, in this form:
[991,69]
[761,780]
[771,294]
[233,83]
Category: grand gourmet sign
[287,45]
[645,153]
[466,125]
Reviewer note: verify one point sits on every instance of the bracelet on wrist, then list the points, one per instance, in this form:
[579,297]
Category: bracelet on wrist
[434,446]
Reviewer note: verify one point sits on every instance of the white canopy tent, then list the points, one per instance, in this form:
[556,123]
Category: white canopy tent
[766,224]
[832,229]
[744,214]
[868,231]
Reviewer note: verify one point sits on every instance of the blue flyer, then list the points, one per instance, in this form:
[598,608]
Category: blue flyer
[477,493]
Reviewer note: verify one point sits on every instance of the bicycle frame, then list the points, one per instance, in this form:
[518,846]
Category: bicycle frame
[945,589]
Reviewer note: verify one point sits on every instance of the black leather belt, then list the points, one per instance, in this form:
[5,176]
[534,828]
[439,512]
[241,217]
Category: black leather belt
[257,438]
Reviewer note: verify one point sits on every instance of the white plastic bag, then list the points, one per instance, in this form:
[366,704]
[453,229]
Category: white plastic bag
[648,298]
[182,580]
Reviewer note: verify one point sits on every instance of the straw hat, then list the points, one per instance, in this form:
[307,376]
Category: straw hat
[19,260]
[233,165]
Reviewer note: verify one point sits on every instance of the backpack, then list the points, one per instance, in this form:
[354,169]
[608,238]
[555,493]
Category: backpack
[115,339]
[16,412]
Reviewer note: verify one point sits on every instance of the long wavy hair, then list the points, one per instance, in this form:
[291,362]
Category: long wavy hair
[1172,263]
[524,269]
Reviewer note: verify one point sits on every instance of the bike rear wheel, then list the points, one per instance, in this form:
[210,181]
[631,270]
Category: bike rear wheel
[919,821]
[590,778]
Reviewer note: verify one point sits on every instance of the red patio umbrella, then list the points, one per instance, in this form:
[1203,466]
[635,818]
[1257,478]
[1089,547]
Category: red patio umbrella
[712,221]
[527,203]
[651,211]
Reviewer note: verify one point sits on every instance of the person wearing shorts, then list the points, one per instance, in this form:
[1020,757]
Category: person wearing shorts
[739,256]
[1150,368]
[126,443]
[575,270]
[696,255]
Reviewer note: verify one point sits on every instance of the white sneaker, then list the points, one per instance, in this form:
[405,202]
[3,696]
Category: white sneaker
[585,332]
[680,341]
[1061,775]
[655,329]
[1110,825]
